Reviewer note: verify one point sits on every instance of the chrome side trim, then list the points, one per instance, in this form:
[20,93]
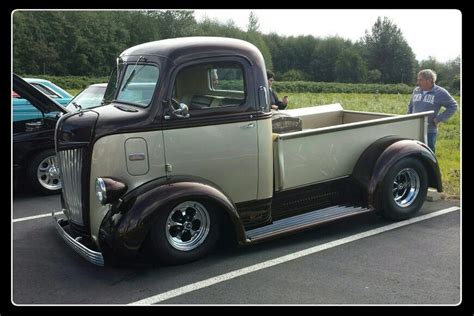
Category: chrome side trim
[90,255]
[136,156]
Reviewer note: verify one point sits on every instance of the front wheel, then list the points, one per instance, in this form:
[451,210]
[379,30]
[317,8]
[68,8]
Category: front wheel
[184,233]
[403,190]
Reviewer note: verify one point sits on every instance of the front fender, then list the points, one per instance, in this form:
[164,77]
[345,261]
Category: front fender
[126,226]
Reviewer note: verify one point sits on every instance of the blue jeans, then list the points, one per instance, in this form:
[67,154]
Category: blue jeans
[432,140]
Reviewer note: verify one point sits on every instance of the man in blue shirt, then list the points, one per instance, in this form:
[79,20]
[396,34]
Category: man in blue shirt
[427,96]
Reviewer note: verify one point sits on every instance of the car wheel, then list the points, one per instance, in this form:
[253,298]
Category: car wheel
[43,173]
[184,232]
[403,190]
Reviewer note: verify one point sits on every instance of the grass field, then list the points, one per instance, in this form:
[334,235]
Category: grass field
[74,91]
[448,142]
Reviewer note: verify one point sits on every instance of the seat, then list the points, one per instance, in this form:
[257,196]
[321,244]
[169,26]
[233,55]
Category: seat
[199,102]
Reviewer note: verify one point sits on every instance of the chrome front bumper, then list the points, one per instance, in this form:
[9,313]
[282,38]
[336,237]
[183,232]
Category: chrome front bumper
[90,255]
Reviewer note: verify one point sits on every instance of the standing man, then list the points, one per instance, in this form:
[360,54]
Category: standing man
[275,103]
[428,96]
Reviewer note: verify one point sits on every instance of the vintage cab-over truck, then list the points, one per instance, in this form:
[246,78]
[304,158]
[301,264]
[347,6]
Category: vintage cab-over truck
[188,149]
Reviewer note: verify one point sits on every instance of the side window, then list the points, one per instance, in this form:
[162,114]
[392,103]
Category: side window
[226,79]
[211,88]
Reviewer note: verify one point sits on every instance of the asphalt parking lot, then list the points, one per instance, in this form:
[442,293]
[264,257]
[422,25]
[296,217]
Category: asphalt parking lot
[415,263]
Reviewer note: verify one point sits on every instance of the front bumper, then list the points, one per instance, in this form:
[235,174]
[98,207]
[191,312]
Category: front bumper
[90,255]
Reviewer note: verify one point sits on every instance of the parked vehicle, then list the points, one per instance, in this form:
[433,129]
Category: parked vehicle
[23,110]
[174,161]
[34,157]
[90,97]
[33,139]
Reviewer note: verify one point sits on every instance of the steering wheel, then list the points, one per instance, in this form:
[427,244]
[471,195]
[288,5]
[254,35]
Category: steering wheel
[175,102]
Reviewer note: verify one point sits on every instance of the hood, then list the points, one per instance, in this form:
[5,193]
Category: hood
[37,98]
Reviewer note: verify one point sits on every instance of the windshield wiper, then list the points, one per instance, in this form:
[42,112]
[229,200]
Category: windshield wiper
[132,74]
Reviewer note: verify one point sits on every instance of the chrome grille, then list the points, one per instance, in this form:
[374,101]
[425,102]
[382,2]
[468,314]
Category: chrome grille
[70,168]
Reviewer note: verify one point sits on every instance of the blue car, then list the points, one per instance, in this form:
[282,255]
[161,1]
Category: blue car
[23,110]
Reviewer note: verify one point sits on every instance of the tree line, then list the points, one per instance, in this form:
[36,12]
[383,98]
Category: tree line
[86,43]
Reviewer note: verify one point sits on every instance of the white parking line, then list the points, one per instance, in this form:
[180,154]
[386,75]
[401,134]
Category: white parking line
[34,217]
[270,263]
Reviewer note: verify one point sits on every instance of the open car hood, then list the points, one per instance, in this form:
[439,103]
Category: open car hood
[37,98]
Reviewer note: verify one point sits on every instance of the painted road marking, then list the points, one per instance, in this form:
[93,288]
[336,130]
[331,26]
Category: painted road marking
[270,263]
[34,217]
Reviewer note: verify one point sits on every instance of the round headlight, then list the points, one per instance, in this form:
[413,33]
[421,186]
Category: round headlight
[109,190]
[101,190]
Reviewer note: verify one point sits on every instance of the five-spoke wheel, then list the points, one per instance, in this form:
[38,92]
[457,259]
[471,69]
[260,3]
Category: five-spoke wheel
[184,232]
[406,187]
[403,189]
[187,226]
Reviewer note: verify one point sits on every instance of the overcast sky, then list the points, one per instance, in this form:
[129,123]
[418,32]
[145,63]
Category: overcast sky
[435,33]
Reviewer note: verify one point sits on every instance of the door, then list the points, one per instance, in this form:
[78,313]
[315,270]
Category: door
[218,141]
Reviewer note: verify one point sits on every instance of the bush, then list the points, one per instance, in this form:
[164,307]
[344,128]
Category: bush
[335,87]
[294,75]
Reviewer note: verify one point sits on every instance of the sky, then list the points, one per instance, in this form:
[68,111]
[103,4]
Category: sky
[434,32]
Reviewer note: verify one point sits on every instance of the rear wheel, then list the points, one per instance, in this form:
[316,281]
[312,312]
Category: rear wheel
[184,232]
[403,189]
[43,173]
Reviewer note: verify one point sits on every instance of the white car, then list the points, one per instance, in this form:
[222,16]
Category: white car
[89,97]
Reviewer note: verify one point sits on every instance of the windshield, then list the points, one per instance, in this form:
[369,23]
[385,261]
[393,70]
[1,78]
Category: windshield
[138,84]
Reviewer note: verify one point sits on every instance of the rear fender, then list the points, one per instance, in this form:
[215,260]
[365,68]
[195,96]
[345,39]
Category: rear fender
[378,158]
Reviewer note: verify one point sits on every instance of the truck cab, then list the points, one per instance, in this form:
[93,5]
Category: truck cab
[187,149]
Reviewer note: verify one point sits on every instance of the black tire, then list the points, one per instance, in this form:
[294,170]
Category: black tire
[403,190]
[39,176]
[168,250]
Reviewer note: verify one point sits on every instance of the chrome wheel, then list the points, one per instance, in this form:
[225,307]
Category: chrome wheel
[187,226]
[48,173]
[406,187]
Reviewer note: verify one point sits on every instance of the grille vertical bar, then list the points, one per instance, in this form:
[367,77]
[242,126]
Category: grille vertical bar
[70,167]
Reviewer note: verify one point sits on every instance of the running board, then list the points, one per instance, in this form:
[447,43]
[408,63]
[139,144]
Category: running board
[303,221]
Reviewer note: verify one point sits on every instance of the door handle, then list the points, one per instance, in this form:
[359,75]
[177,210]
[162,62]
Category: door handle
[250,125]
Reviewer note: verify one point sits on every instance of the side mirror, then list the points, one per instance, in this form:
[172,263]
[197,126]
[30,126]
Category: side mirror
[179,110]
[182,112]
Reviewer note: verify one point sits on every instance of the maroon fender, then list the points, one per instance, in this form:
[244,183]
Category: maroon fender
[379,157]
[125,227]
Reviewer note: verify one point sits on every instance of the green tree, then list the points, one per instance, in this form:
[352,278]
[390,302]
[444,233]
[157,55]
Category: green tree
[373,76]
[256,39]
[291,53]
[324,56]
[276,47]
[350,67]
[35,51]
[253,25]
[174,23]
[388,51]
[448,74]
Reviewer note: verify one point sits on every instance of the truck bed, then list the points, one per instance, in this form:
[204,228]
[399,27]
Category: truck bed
[332,140]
